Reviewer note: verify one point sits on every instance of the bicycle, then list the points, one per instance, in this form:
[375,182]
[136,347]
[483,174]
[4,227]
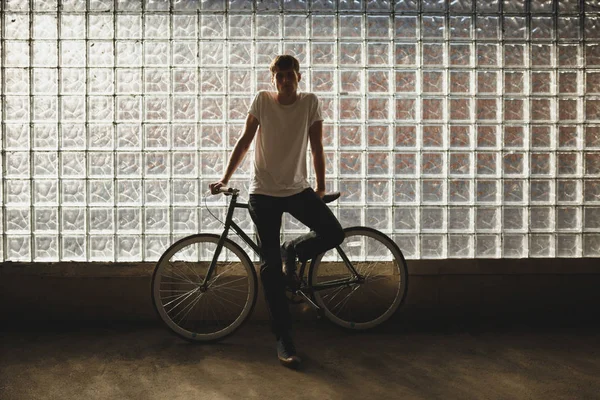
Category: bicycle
[204,286]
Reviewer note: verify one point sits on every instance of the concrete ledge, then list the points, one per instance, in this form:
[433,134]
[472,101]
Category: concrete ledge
[437,289]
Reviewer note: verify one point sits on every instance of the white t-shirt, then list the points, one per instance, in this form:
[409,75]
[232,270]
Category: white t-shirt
[281,143]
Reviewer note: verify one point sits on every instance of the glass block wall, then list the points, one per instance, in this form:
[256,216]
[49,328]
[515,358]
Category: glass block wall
[461,128]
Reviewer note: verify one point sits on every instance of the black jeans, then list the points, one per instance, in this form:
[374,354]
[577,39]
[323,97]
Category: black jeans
[326,233]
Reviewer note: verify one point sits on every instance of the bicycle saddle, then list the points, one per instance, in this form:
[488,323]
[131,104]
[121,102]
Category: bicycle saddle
[332,196]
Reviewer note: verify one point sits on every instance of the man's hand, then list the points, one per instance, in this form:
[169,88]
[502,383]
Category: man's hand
[320,192]
[214,187]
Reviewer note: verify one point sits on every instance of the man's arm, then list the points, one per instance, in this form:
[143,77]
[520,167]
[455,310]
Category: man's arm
[238,153]
[315,134]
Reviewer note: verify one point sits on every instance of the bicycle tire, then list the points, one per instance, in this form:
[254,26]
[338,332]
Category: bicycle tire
[194,254]
[370,252]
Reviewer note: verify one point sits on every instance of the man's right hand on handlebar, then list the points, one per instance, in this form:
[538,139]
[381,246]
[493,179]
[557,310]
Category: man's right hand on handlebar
[214,187]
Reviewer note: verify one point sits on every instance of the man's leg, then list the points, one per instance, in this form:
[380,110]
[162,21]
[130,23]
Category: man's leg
[326,231]
[266,212]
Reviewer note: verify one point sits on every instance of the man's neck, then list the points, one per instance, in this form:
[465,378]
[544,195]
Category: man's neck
[286,99]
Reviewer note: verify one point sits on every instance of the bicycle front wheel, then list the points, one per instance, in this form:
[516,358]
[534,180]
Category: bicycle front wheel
[197,313]
[374,299]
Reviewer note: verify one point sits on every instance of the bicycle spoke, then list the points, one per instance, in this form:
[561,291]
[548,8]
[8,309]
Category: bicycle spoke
[183,297]
[189,307]
[344,301]
[338,291]
[182,277]
[193,271]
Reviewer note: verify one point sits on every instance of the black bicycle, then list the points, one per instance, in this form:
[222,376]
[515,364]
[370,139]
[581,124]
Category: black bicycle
[204,287]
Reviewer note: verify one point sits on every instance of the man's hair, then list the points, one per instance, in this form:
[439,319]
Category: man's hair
[284,62]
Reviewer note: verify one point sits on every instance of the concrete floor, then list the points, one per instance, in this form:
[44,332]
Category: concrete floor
[144,361]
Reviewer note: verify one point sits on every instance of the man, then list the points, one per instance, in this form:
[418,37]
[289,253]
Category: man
[286,120]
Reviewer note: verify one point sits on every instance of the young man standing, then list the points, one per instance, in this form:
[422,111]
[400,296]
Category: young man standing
[286,121]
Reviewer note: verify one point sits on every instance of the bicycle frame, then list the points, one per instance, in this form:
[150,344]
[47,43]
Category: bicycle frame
[230,224]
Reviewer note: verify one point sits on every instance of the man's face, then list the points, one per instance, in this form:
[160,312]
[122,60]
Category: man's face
[286,80]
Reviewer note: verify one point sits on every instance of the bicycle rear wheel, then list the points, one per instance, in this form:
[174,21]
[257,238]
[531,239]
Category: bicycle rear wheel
[364,305]
[194,313]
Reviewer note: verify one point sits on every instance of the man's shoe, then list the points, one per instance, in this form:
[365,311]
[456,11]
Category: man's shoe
[289,266]
[286,352]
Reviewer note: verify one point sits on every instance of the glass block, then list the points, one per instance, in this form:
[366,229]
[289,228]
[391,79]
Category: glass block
[45,219]
[157,53]
[73,248]
[129,220]
[321,5]
[17,164]
[45,53]
[568,245]
[100,192]
[542,82]
[460,191]
[432,54]
[514,191]
[405,27]
[408,244]
[487,246]
[433,27]
[18,248]
[73,192]
[405,219]
[13,24]
[101,53]
[541,245]
[542,28]
[17,221]
[514,246]
[460,246]
[541,191]
[154,246]
[514,219]
[432,219]
[460,27]
[591,245]
[16,108]
[45,248]
[128,26]
[568,28]
[184,52]
[487,27]
[100,81]
[487,219]
[460,136]
[45,164]
[156,191]
[433,246]
[515,27]
[542,55]
[541,136]
[569,55]
[378,218]
[296,5]
[129,80]
[129,53]
[73,219]
[184,26]
[486,191]
[405,191]
[157,220]
[433,190]
[542,109]
[100,136]
[157,26]
[541,6]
